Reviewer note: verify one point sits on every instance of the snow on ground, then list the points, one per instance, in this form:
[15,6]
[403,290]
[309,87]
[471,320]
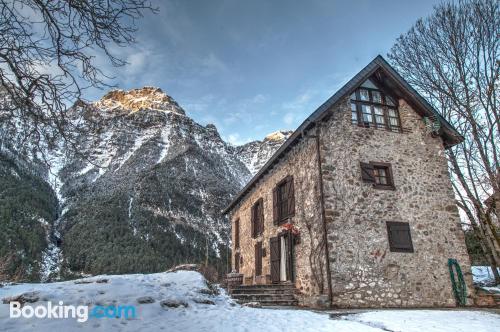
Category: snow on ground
[223,315]
[429,320]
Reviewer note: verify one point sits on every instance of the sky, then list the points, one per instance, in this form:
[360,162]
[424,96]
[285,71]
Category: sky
[255,67]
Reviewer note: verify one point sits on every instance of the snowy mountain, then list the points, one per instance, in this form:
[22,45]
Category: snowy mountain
[255,154]
[146,188]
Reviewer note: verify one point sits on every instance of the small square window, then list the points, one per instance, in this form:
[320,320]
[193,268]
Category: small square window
[399,236]
[382,175]
[379,174]
[376,97]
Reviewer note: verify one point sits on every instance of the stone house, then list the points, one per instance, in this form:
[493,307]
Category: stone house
[356,209]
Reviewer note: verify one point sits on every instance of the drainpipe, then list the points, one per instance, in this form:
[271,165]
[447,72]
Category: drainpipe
[323,215]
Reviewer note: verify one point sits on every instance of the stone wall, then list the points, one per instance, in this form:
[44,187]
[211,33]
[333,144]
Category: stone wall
[309,260]
[365,273]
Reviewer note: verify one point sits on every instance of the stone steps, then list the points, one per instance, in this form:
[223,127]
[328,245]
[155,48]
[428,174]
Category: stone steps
[266,295]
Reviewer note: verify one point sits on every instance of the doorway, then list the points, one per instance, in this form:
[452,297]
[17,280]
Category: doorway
[282,258]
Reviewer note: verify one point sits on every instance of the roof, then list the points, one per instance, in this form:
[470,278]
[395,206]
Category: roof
[378,65]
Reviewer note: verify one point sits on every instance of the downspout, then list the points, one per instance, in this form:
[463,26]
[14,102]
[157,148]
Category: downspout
[322,204]
[323,215]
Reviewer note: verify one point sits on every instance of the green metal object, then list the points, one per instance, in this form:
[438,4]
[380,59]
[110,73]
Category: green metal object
[458,283]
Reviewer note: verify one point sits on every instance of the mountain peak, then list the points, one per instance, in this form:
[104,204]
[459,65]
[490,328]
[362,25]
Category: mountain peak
[145,98]
[280,136]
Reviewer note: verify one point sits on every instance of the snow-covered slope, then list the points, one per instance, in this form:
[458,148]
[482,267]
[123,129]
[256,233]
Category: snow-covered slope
[255,154]
[181,301]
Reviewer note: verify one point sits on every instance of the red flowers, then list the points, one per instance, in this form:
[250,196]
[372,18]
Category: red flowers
[290,227]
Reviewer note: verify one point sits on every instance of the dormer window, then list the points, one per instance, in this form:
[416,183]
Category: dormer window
[370,107]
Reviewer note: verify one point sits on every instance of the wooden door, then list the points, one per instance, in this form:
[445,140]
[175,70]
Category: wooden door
[275,259]
[258,258]
[237,262]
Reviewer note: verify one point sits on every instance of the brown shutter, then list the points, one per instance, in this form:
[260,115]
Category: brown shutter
[237,262]
[274,247]
[237,233]
[258,258]
[291,197]
[399,237]
[275,206]
[252,221]
[367,172]
[261,216]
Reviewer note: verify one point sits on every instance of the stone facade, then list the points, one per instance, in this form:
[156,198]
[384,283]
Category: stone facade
[364,272]
[301,163]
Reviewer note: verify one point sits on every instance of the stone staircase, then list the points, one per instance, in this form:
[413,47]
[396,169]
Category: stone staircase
[266,295]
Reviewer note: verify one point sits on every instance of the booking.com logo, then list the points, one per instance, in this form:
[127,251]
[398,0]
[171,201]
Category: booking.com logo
[80,313]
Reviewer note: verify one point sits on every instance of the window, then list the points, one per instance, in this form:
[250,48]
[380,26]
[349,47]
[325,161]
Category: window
[283,201]
[237,233]
[399,236]
[371,107]
[257,218]
[380,174]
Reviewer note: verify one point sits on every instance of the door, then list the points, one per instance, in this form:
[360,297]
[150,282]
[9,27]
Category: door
[258,259]
[275,259]
[237,262]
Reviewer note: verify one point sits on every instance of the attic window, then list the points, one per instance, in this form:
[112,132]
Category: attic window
[370,107]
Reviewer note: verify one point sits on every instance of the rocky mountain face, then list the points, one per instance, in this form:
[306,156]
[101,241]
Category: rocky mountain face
[255,154]
[145,191]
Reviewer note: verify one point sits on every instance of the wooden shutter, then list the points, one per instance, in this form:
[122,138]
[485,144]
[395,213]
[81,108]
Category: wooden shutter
[275,206]
[237,262]
[261,216]
[274,247]
[291,197]
[399,237]
[237,233]
[258,258]
[252,221]
[367,172]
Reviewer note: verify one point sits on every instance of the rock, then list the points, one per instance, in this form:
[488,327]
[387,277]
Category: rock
[207,291]
[84,281]
[252,305]
[30,297]
[145,299]
[172,303]
[102,281]
[185,267]
[203,301]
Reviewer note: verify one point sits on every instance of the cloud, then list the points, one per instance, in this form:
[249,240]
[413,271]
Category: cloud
[289,118]
[235,139]
[210,64]
[137,62]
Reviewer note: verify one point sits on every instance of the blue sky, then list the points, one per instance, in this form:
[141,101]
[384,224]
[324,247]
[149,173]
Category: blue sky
[254,67]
